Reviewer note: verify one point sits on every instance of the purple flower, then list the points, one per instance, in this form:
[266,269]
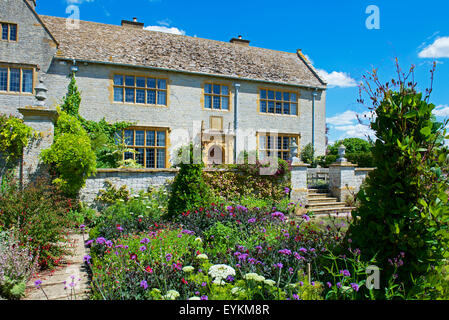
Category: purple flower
[230,279]
[101,240]
[119,228]
[345,273]
[88,243]
[168,257]
[338,284]
[279,215]
[144,241]
[290,270]
[108,243]
[82,227]
[306,217]
[37,283]
[295,296]
[87,258]
[204,284]
[278,265]
[252,220]
[301,283]
[144,284]
[287,190]
[355,286]
[204,298]
[287,252]
[303,250]
[329,284]
[143,248]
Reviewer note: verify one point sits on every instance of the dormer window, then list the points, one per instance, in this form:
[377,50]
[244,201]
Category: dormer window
[9,31]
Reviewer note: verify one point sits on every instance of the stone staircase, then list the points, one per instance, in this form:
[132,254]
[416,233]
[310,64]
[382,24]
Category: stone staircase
[320,201]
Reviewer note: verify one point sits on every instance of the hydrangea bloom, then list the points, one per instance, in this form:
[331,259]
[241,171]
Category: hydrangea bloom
[202,256]
[254,276]
[172,295]
[188,269]
[220,272]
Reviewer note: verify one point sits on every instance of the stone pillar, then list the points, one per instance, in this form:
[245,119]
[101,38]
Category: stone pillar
[342,180]
[299,190]
[42,120]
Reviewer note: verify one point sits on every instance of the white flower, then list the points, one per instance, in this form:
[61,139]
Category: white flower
[172,295]
[188,269]
[270,282]
[195,298]
[218,281]
[237,290]
[221,271]
[202,256]
[198,240]
[254,276]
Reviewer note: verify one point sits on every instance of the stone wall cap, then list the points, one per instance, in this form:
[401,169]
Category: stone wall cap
[39,111]
[343,164]
[365,169]
[135,170]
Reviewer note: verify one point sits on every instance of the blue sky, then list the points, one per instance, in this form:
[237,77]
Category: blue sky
[332,33]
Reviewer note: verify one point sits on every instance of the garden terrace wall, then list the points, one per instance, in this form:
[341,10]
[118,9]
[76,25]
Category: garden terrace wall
[135,179]
[360,176]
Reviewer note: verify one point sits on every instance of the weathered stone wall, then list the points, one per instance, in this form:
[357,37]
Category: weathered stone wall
[135,179]
[34,48]
[360,175]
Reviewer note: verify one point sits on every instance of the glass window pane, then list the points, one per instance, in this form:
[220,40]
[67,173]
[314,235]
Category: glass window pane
[129,155]
[14,80]
[208,88]
[12,32]
[225,103]
[286,108]
[162,84]
[285,155]
[270,106]
[150,138]
[278,95]
[4,31]
[216,89]
[216,102]
[118,94]
[279,144]
[285,144]
[208,102]
[293,108]
[279,155]
[224,90]
[3,79]
[161,158]
[271,95]
[140,96]
[140,82]
[129,81]
[140,138]
[286,96]
[279,107]
[129,137]
[162,98]
[118,80]
[151,97]
[262,142]
[263,106]
[151,83]
[150,158]
[263,94]
[293,97]
[27,81]
[129,95]
[140,156]
[161,139]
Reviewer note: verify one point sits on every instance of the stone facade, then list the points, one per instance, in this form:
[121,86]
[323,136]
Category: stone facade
[345,179]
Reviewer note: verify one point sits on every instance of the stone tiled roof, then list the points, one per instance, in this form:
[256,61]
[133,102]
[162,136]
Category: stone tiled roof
[132,46]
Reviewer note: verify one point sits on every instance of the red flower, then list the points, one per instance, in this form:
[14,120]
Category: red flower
[184,281]
[148,269]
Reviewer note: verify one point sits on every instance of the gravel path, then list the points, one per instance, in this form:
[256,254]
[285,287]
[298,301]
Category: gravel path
[56,283]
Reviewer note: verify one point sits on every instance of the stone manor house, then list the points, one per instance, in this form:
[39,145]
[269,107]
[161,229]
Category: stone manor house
[225,95]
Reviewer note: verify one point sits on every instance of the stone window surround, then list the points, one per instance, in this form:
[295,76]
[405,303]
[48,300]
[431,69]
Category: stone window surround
[277,89]
[220,95]
[9,24]
[21,67]
[282,150]
[155,147]
[146,88]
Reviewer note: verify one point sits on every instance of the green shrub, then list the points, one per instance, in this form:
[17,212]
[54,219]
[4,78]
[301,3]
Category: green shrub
[14,136]
[39,214]
[307,154]
[404,210]
[70,155]
[353,145]
[189,190]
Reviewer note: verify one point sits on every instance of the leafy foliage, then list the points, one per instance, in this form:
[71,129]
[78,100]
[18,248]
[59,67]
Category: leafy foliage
[404,205]
[307,154]
[72,100]
[14,136]
[70,154]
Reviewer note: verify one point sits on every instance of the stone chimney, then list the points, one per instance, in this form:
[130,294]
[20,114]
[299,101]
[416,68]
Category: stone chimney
[240,41]
[32,3]
[133,24]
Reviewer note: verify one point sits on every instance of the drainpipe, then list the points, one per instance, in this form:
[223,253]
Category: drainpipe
[314,94]
[236,103]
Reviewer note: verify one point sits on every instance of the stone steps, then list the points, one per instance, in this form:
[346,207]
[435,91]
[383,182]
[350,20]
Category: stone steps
[321,202]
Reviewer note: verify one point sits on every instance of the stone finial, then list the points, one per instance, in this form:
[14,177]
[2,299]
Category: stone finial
[294,152]
[41,93]
[341,153]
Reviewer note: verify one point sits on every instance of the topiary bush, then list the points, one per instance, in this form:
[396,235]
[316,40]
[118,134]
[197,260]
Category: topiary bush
[189,190]
[403,217]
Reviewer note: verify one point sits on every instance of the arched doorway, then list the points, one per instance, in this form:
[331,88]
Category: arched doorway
[215,155]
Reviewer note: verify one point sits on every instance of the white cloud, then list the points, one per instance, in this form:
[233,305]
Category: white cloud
[78,1]
[166,29]
[347,124]
[441,111]
[337,79]
[438,49]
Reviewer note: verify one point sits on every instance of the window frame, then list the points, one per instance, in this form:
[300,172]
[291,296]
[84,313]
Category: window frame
[9,24]
[277,150]
[274,100]
[212,94]
[155,147]
[8,67]
[146,89]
